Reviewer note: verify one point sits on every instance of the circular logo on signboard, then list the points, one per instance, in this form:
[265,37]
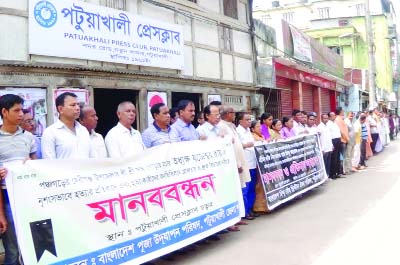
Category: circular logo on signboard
[45,14]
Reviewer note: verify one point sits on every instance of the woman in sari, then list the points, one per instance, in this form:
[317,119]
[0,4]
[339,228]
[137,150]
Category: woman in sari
[287,129]
[266,121]
[276,127]
[260,204]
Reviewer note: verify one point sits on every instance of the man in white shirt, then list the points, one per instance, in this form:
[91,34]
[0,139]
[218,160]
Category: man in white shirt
[88,118]
[210,129]
[326,142]
[335,135]
[247,141]
[66,138]
[373,124]
[298,120]
[311,126]
[122,140]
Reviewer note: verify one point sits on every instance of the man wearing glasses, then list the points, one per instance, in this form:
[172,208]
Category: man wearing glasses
[28,125]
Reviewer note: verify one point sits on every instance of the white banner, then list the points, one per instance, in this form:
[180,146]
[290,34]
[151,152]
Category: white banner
[75,29]
[124,212]
[301,45]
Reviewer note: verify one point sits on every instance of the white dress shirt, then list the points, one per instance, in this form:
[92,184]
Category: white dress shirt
[122,142]
[208,130]
[325,137]
[59,142]
[299,128]
[334,129]
[98,146]
[249,153]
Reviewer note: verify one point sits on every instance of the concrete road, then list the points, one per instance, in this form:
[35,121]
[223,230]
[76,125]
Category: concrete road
[349,221]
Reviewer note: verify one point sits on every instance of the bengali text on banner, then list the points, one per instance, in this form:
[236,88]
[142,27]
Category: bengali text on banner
[290,167]
[99,212]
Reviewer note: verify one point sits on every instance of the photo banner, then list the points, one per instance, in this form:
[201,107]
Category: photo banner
[289,168]
[109,211]
[75,29]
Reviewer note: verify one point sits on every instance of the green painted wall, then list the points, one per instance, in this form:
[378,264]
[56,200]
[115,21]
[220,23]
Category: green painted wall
[352,39]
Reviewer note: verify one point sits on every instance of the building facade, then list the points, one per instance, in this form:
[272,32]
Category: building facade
[101,52]
[340,25]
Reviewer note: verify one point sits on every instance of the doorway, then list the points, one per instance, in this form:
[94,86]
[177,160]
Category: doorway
[106,102]
[195,97]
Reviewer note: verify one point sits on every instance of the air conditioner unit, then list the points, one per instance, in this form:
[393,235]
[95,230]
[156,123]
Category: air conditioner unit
[275,3]
[255,101]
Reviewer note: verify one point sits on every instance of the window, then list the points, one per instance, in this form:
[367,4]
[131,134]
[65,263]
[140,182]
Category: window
[117,4]
[266,19]
[323,12]
[288,17]
[337,49]
[360,9]
[230,8]
[226,38]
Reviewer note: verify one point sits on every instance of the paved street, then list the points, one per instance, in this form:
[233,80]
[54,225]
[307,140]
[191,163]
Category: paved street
[349,221]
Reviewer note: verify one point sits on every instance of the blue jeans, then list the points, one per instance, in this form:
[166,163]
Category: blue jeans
[9,237]
[249,192]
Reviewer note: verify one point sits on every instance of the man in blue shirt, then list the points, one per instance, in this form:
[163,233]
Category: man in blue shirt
[160,131]
[183,126]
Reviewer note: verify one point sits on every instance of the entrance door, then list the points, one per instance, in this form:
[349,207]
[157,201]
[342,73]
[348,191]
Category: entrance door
[106,102]
[195,97]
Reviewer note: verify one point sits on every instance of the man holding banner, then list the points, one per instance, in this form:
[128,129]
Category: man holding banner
[15,147]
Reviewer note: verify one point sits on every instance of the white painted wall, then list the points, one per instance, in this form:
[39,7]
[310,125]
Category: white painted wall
[206,34]
[243,70]
[242,42]
[14,40]
[212,5]
[227,67]
[188,61]
[207,63]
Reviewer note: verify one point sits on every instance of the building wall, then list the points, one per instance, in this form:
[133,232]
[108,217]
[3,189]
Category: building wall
[209,68]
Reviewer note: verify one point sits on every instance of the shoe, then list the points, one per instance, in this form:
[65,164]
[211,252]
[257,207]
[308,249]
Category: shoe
[255,214]
[241,222]
[361,167]
[233,229]
[214,238]
[249,217]
[225,231]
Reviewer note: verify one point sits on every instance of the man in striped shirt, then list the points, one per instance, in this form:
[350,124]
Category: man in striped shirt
[15,146]
[364,138]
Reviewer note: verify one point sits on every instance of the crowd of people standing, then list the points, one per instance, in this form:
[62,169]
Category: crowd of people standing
[346,141]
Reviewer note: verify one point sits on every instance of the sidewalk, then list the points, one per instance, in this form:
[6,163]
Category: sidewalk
[375,238]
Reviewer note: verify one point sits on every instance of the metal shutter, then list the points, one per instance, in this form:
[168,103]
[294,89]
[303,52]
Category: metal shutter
[286,103]
[307,97]
[325,101]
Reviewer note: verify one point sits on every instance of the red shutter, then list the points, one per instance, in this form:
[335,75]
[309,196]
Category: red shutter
[307,97]
[286,103]
[325,101]
[282,82]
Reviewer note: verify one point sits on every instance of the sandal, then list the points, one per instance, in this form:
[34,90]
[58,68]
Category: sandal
[241,222]
[233,229]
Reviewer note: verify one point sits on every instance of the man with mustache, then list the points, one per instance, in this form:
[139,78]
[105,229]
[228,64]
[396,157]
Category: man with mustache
[183,125]
[122,140]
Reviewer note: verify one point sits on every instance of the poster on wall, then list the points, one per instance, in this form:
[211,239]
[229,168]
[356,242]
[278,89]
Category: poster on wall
[34,102]
[153,98]
[211,98]
[82,94]
[75,29]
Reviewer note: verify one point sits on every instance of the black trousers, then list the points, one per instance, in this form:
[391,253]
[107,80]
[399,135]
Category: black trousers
[327,162]
[375,137]
[363,151]
[335,158]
